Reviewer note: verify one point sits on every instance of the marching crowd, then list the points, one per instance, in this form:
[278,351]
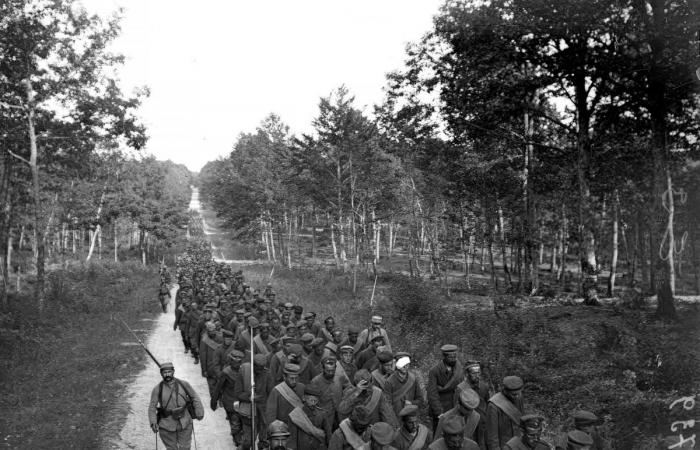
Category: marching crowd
[309,384]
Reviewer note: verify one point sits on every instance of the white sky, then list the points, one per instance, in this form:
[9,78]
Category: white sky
[216,68]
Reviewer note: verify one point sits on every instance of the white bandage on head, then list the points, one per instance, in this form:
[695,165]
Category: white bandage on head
[403,362]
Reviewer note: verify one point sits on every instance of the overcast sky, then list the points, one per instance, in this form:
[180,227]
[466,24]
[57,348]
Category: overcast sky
[216,68]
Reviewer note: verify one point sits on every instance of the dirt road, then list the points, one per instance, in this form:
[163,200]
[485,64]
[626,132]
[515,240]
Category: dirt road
[212,433]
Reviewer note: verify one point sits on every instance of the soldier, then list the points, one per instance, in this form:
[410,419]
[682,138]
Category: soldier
[318,349]
[225,392]
[531,429]
[369,396]
[443,379]
[243,407]
[327,331]
[503,413]
[276,328]
[385,367]
[353,432]
[310,426]
[412,435]
[285,396]
[370,352]
[465,409]
[330,385]
[353,339]
[168,411]
[164,296]
[306,339]
[278,433]
[453,437]
[223,351]
[474,381]
[181,322]
[375,329]
[314,326]
[298,310]
[586,422]
[193,317]
[381,435]
[402,386]
[207,349]
[261,342]
[346,361]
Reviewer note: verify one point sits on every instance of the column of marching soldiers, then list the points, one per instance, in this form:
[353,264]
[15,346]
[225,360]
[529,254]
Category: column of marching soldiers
[323,385]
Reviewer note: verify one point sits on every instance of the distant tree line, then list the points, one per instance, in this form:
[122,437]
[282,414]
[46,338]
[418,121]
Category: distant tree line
[531,130]
[70,174]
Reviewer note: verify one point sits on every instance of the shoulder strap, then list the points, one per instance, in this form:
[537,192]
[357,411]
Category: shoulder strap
[189,396]
[160,394]
[374,400]
[507,407]
[419,441]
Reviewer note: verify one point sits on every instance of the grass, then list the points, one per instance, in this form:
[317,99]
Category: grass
[63,370]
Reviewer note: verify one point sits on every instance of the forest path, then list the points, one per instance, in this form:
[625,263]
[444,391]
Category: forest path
[211,433]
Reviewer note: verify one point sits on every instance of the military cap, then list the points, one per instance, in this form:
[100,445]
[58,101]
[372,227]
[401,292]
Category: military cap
[295,349]
[253,322]
[469,398]
[328,358]
[312,389]
[584,418]
[245,285]
[347,348]
[377,337]
[472,364]
[307,338]
[288,340]
[292,369]
[317,341]
[298,308]
[227,333]
[531,421]
[260,360]
[250,301]
[409,410]
[399,355]
[513,383]
[291,325]
[289,305]
[272,293]
[167,366]
[247,314]
[448,348]
[453,425]
[362,375]
[278,429]
[260,300]
[360,415]
[382,433]
[332,346]
[264,325]
[384,356]
[240,311]
[353,330]
[210,326]
[579,438]
[236,354]
[377,320]
[208,307]
[302,323]
[262,307]
[307,316]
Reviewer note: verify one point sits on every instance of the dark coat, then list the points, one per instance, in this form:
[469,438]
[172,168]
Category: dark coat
[499,427]
[442,384]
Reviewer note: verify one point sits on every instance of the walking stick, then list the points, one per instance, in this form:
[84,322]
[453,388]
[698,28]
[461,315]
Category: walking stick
[194,436]
[252,391]
[371,300]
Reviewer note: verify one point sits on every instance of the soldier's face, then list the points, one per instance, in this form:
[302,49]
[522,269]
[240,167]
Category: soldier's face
[531,436]
[388,367]
[454,441]
[330,325]
[450,358]
[235,361]
[513,395]
[278,443]
[228,340]
[291,379]
[474,375]
[410,423]
[311,401]
[167,375]
[329,369]
[346,357]
[352,337]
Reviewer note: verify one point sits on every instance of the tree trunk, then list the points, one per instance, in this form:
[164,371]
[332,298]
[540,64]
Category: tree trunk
[613,262]
[502,239]
[531,267]
[33,164]
[335,248]
[116,242]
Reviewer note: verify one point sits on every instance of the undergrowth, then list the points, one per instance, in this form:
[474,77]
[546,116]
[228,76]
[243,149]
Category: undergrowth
[62,369]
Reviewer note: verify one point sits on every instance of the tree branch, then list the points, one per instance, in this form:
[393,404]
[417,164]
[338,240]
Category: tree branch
[11,106]
[26,161]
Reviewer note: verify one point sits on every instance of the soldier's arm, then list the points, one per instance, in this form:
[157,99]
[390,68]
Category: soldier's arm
[203,358]
[348,401]
[216,363]
[386,412]
[492,438]
[216,394]
[336,442]
[238,391]
[198,406]
[152,404]
[271,408]
[433,396]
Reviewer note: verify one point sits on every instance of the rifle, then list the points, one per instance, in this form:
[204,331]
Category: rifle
[139,341]
[252,389]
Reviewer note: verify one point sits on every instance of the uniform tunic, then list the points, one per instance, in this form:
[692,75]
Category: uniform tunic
[499,426]
[442,383]
[398,391]
[407,441]
[301,439]
[380,410]
[278,407]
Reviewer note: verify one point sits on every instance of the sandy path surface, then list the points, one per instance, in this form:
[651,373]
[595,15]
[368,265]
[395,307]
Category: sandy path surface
[211,433]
